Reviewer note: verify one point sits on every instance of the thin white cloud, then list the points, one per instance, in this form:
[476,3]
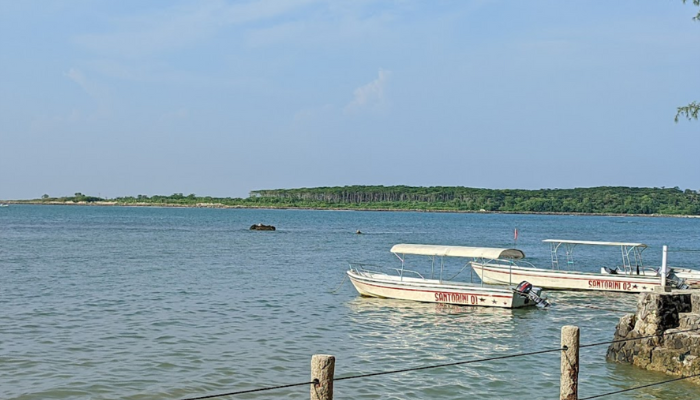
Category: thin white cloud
[146,35]
[182,26]
[372,95]
[328,25]
[262,10]
[98,93]
[78,77]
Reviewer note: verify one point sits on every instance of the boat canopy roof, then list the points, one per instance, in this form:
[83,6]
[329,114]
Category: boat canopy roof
[457,251]
[594,243]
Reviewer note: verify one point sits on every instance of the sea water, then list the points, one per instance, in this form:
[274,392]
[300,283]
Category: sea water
[174,303]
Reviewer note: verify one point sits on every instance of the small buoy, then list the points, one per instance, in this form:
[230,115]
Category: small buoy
[358,232]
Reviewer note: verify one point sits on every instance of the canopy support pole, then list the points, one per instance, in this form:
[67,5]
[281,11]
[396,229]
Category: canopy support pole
[664,267]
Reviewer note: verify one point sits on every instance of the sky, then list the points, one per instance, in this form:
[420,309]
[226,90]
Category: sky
[220,98]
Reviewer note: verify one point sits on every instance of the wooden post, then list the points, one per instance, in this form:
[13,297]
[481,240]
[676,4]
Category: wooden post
[568,389]
[322,369]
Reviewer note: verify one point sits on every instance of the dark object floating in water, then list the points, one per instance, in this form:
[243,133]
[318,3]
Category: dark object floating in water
[261,227]
[359,232]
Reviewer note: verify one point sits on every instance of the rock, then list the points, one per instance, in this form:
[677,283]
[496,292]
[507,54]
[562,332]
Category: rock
[261,227]
[660,336]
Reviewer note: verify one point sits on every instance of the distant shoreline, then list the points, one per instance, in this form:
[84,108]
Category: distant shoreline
[223,206]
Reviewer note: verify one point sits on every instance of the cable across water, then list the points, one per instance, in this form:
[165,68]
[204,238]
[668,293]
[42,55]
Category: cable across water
[396,371]
[377,374]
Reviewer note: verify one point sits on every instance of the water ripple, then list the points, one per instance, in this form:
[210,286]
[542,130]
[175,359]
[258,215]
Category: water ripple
[132,303]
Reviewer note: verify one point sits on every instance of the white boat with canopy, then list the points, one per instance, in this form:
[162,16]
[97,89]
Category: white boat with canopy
[429,285]
[631,276]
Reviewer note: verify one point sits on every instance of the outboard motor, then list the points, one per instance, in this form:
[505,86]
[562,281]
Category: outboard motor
[526,289]
[676,280]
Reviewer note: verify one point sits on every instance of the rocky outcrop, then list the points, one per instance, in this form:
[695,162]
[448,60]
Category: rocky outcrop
[664,334]
[261,227]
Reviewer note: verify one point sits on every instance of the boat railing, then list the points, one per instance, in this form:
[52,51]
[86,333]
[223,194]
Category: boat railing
[655,271]
[362,267]
[403,272]
[503,263]
[523,263]
[371,268]
[508,262]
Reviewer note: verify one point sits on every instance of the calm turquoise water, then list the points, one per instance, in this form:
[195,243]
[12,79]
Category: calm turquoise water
[163,303]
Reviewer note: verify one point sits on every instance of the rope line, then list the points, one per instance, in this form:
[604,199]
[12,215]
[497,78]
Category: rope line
[396,371]
[341,284]
[638,387]
[314,382]
[637,338]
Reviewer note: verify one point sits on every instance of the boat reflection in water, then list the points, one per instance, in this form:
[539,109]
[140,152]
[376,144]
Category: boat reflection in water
[393,334]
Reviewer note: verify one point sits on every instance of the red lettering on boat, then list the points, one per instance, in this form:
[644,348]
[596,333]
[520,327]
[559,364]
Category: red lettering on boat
[463,298]
[601,284]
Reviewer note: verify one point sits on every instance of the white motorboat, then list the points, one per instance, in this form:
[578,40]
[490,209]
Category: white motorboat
[630,277]
[429,285]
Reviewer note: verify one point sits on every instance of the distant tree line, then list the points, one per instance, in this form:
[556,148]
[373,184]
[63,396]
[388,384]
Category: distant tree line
[597,200]
[76,198]
[615,200]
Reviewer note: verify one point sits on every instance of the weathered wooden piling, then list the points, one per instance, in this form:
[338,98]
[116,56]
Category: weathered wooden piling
[568,389]
[322,370]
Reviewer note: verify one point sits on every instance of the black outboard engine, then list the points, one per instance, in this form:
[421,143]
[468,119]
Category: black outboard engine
[525,288]
[676,280]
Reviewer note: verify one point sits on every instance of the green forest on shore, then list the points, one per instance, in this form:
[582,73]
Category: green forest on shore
[595,200]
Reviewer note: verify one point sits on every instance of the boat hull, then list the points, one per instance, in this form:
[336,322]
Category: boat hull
[381,285]
[502,274]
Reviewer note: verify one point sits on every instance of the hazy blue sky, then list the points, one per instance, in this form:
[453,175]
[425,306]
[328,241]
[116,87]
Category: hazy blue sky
[219,98]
